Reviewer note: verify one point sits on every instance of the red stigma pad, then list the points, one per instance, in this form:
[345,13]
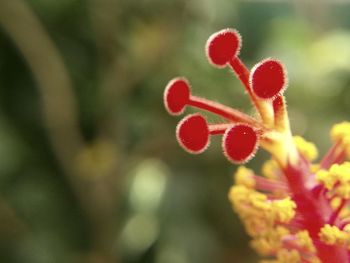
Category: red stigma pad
[240,143]
[268,79]
[176,95]
[193,133]
[223,46]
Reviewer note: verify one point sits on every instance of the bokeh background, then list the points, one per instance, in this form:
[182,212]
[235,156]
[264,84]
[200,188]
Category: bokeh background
[90,170]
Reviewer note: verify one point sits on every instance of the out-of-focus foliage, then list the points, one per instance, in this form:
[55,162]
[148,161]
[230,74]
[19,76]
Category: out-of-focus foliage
[123,190]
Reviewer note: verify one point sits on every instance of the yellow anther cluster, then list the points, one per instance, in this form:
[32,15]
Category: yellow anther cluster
[332,235]
[270,169]
[285,256]
[253,208]
[288,256]
[314,168]
[272,241]
[324,177]
[336,179]
[341,133]
[283,210]
[336,202]
[304,241]
[314,260]
[244,176]
[261,217]
[347,228]
[305,148]
[269,241]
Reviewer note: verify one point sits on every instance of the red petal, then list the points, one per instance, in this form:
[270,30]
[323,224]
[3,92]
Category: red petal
[268,79]
[193,133]
[223,46]
[176,95]
[240,143]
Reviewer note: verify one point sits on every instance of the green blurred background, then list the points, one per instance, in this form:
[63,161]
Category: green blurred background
[90,170]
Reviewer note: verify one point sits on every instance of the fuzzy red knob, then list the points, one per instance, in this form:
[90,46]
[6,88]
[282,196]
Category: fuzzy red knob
[193,133]
[176,95]
[240,143]
[268,79]
[223,46]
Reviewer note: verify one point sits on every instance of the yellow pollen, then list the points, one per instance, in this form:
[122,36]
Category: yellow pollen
[288,256]
[283,210]
[336,179]
[332,235]
[347,228]
[244,176]
[324,177]
[340,131]
[270,169]
[269,241]
[305,148]
[335,202]
[314,168]
[305,242]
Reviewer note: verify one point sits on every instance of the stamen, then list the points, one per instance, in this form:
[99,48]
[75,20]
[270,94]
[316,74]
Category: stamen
[319,190]
[265,184]
[293,242]
[336,213]
[336,154]
[334,195]
[345,222]
[240,143]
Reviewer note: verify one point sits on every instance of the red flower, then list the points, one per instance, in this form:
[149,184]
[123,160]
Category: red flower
[298,211]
